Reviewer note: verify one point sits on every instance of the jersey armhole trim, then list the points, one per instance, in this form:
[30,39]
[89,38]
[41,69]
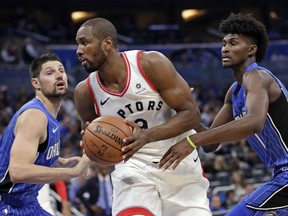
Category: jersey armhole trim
[143,73]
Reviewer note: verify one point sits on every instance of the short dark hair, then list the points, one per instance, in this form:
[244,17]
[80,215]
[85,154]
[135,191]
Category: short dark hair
[245,24]
[102,28]
[36,65]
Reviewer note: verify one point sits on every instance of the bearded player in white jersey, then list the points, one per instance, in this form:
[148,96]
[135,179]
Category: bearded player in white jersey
[144,88]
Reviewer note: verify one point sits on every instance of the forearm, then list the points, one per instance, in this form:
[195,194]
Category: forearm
[34,174]
[199,128]
[59,162]
[232,131]
[178,124]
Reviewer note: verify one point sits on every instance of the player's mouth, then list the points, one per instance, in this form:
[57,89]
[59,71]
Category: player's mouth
[225,58]
[60,84]
[82,61]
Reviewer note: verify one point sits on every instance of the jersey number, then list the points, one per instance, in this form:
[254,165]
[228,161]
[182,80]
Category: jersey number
[142,123]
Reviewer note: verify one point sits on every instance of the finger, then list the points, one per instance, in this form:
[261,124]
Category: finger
[130,123]
[128,145]
[81,143]
[127,156]
[128,140]
[86,124]
[176,163]
[82,132]
[166,161]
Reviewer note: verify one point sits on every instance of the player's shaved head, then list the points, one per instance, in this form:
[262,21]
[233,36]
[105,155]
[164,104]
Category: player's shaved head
[102,28]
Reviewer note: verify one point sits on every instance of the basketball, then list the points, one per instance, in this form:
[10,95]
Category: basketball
[103,139]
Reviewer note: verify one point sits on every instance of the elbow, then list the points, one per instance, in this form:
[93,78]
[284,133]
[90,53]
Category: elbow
[14,178]
[15,175]
[257,127]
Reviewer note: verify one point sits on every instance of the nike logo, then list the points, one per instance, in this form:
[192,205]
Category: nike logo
[103,102]
[195,160]
[54,129]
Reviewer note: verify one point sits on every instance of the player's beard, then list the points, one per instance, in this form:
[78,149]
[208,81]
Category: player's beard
[55,94]
[97,64]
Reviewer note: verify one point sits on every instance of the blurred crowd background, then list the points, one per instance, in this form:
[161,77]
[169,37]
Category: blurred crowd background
[185,31]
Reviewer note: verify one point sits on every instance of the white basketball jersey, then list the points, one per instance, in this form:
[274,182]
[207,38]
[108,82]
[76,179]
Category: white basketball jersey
[139,101]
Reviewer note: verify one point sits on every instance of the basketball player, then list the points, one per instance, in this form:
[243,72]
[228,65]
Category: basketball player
[29,146]
[145,88]
[255,108]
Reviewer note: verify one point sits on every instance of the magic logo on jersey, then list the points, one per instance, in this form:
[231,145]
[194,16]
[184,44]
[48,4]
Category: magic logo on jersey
[53,151]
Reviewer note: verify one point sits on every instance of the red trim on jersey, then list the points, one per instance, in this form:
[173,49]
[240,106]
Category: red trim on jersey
[135,211]
[143,73]
[128,78]
[61,189]
[203,173]
[92,95]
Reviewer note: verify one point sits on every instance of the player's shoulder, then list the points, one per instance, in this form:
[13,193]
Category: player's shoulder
[33,116]
[152,58]
[82,86]
[152,54]
[258,73]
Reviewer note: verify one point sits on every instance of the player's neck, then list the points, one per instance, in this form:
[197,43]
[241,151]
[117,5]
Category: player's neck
[52,105]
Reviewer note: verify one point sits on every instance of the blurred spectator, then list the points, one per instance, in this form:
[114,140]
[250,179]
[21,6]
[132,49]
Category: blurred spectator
[220,164]
[61,189]
[206,115]
[230,200]
[73,187]
[238,184]
[88,194]
[208,165]
[249,188]
[96,193]
[278,56]
[105,196]
[21,97]
[10,52]
[5,97]
[216,203]
[31,49]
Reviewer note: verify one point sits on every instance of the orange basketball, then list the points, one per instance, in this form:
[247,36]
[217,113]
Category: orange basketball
[103,139]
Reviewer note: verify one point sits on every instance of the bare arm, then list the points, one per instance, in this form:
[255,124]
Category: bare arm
[224,116]
[257,102]
[30,130]
[175,92]
[84,103]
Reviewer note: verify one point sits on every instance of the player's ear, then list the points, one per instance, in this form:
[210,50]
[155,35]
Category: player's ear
[108,43]
[35,83]
[253,50]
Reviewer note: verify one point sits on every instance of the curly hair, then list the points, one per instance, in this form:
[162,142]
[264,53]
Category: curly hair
[245,24]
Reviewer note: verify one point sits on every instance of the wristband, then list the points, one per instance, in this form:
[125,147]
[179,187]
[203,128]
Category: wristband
[190,142]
